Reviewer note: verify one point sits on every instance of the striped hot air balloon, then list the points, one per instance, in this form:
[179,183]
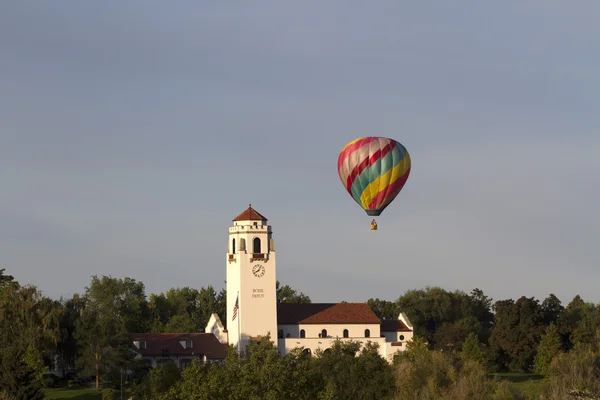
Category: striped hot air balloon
[373,171]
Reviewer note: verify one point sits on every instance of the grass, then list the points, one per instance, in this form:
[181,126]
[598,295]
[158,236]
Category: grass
[80,394]
[530,385]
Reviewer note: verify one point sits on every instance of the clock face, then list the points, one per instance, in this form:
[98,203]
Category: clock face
[258,270]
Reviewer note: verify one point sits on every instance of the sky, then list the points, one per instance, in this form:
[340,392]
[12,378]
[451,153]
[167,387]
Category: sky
[132,133]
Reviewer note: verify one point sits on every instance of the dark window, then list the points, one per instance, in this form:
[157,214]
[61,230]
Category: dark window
[367,333]
[287,335]
[324,333]
[233,245]
[401,337]
[280,334]
[302,333]
[256,246]
[306,352]
[345,332]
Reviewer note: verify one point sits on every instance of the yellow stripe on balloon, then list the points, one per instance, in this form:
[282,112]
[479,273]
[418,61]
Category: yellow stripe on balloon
[373,189]
[351,143]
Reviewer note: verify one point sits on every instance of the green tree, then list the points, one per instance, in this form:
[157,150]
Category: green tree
[349,372]
[111,309]
[185,309]
[551,309]
[5,280]
[450,336]
[519,326]
[569,319]
[584,334]
[471,349]
[285,294]
[549,347]
[31,330]
[384,309]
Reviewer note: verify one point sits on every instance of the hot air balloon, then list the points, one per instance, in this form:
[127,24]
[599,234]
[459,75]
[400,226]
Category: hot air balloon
[373,170]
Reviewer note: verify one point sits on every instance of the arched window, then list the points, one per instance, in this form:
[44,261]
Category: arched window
[233,245]
[280,334]
[367,333]
[302,333]
[324,333]
[327,351]
[346,333]
[256,246]
[306,352]
[401,337]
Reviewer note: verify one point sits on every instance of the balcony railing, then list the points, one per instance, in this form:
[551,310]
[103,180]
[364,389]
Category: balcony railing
[258,256]
[232,257]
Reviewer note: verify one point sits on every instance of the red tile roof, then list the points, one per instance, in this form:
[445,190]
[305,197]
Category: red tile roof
[325,313]
[394,325]
[250,214]
[202,343]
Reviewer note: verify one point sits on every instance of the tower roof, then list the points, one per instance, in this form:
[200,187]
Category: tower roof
[250,214]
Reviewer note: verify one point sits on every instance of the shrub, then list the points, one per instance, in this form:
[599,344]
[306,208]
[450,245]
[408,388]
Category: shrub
[108,394]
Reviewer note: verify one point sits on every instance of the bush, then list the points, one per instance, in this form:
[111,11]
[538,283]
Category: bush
[574,373]
[108,394]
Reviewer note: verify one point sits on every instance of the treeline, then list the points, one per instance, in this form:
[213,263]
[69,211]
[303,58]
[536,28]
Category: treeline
[348,371]
[90,332]
[517,335]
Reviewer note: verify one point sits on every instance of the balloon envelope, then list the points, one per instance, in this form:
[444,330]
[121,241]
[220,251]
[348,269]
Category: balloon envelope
[373,171]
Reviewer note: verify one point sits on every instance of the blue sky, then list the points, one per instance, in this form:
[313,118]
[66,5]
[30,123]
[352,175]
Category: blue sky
[132,133]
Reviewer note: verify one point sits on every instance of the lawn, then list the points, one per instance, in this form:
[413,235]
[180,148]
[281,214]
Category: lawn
[79,394]
[528,384]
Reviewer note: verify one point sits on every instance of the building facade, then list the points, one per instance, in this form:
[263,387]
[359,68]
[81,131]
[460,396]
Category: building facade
[253,311]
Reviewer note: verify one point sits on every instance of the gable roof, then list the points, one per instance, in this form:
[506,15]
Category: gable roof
[202,344]
[326,313]
[394,325]
[250,214]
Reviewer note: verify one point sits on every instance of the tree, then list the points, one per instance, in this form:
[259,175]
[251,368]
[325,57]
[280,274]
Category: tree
[429,308]
[5,280]
[351,372]
[185,309]
[569,319]
[549,347]
[450,336]
[67,345]
[384,309]
[111,309]
[471,349]
[551,309]
[286,294]
[32,329]
[519,326]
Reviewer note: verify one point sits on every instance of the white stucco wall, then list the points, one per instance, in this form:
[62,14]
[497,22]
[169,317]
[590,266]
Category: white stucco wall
[215,326]
[397,336]
[333,330]
[386,349]
[257,311]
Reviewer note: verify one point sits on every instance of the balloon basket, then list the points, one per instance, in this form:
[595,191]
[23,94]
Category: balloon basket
[373,226]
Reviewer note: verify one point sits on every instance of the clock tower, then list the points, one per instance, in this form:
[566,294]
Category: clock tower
[251,280]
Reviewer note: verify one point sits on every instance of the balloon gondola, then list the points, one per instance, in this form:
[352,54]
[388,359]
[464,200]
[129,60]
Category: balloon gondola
[373,170]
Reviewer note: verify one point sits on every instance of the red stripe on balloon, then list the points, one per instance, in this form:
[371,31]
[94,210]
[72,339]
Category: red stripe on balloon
[368,162]
[390,191]
[344,154]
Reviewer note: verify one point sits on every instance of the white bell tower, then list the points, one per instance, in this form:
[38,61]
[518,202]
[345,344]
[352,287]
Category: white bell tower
[251,280]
